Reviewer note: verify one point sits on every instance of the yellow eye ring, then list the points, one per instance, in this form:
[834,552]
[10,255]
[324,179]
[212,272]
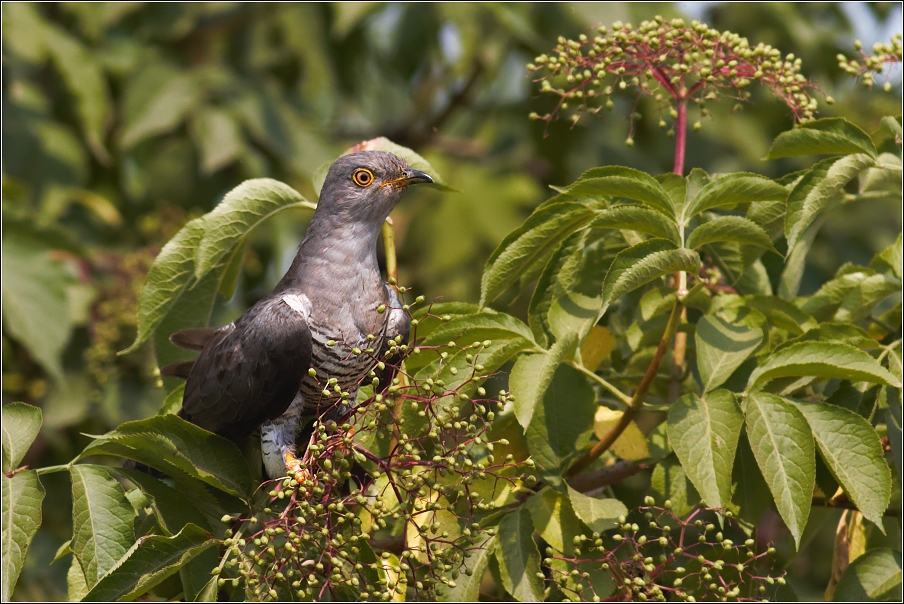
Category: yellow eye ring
[363,177]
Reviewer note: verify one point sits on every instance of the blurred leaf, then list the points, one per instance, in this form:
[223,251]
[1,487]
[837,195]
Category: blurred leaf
[85,79]
[554,519]
[26,37]
[874,576]
[149,561]
[722,347]
[532,375]
[21,424]
[822,359]
[178,448]
[240,211]
[616,181]
[102,521]
[821,186]
[541,233]
[783,446]
[631,444]
[598,514]
[30,273]
[704,435]
[729,228]
[349,14]
[23,494]
[158,98]
[559,431]
[822,137]
[643,263]
[518,557]
[731,190]
[850,446]
[219,138]
[637,218]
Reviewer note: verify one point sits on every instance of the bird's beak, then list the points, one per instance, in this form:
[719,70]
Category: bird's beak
[411,177]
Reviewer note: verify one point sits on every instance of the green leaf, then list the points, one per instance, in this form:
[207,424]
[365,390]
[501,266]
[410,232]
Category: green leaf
[532,374]
[730,228]
[173,512]
[485,325]
[76,586]
[670,482]
[851,449]
[179,449]
[23,494]
[21,424]
[157,99]
[167,280]
[381,143]
[637,218]
[733,189]
[540,234]
[518,557]
[783,446]
[822,359]
[722,347]
[704,435]
[642,263]
[149,561]
[554,519]
[102,520]
[822,185]
[781,313]
[218,137]
[751,492]
[173,401]
[874,576]
[84,78]
[616,181]
[562,425]
[548,286]
[30,274]
[467,585]
[832,135]
[598,514]
[242,209]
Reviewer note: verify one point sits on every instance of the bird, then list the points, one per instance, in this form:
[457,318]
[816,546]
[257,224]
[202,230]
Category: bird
[305,348]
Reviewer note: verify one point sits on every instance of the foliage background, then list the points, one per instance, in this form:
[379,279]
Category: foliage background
[123,121]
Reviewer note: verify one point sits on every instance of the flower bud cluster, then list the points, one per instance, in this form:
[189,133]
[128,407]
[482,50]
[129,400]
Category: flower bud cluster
[389,500]
[655,555]
[884,55]
[670,61]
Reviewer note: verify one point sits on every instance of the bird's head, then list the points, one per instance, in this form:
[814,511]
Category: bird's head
[366,185]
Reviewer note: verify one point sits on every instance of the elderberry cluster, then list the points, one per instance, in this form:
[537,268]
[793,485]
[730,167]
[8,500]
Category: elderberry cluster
[883,55]
[670,61]
[391,502]
[663,557]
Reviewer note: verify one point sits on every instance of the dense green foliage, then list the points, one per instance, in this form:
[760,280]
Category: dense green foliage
[660,378]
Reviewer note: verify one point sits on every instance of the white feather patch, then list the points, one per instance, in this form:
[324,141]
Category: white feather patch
[299,303]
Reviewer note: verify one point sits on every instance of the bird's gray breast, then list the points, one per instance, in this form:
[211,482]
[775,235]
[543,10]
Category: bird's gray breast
[346,337]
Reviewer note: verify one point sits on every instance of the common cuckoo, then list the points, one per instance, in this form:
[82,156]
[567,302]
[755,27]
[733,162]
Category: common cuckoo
[302,349]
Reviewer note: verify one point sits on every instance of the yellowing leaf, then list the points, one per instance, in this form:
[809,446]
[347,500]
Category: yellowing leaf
[598,345]
[631,445]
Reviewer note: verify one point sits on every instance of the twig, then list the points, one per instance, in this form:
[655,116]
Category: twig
[636,401]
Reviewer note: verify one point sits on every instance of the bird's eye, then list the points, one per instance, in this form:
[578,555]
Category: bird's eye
[363,177]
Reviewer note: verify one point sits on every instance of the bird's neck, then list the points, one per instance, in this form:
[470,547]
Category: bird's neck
[333,252]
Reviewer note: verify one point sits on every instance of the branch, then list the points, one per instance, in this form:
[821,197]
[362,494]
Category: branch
[636,401]
[603,477]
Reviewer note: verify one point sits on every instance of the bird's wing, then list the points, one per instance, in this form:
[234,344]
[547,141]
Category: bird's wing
[250,373]
[195,338]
